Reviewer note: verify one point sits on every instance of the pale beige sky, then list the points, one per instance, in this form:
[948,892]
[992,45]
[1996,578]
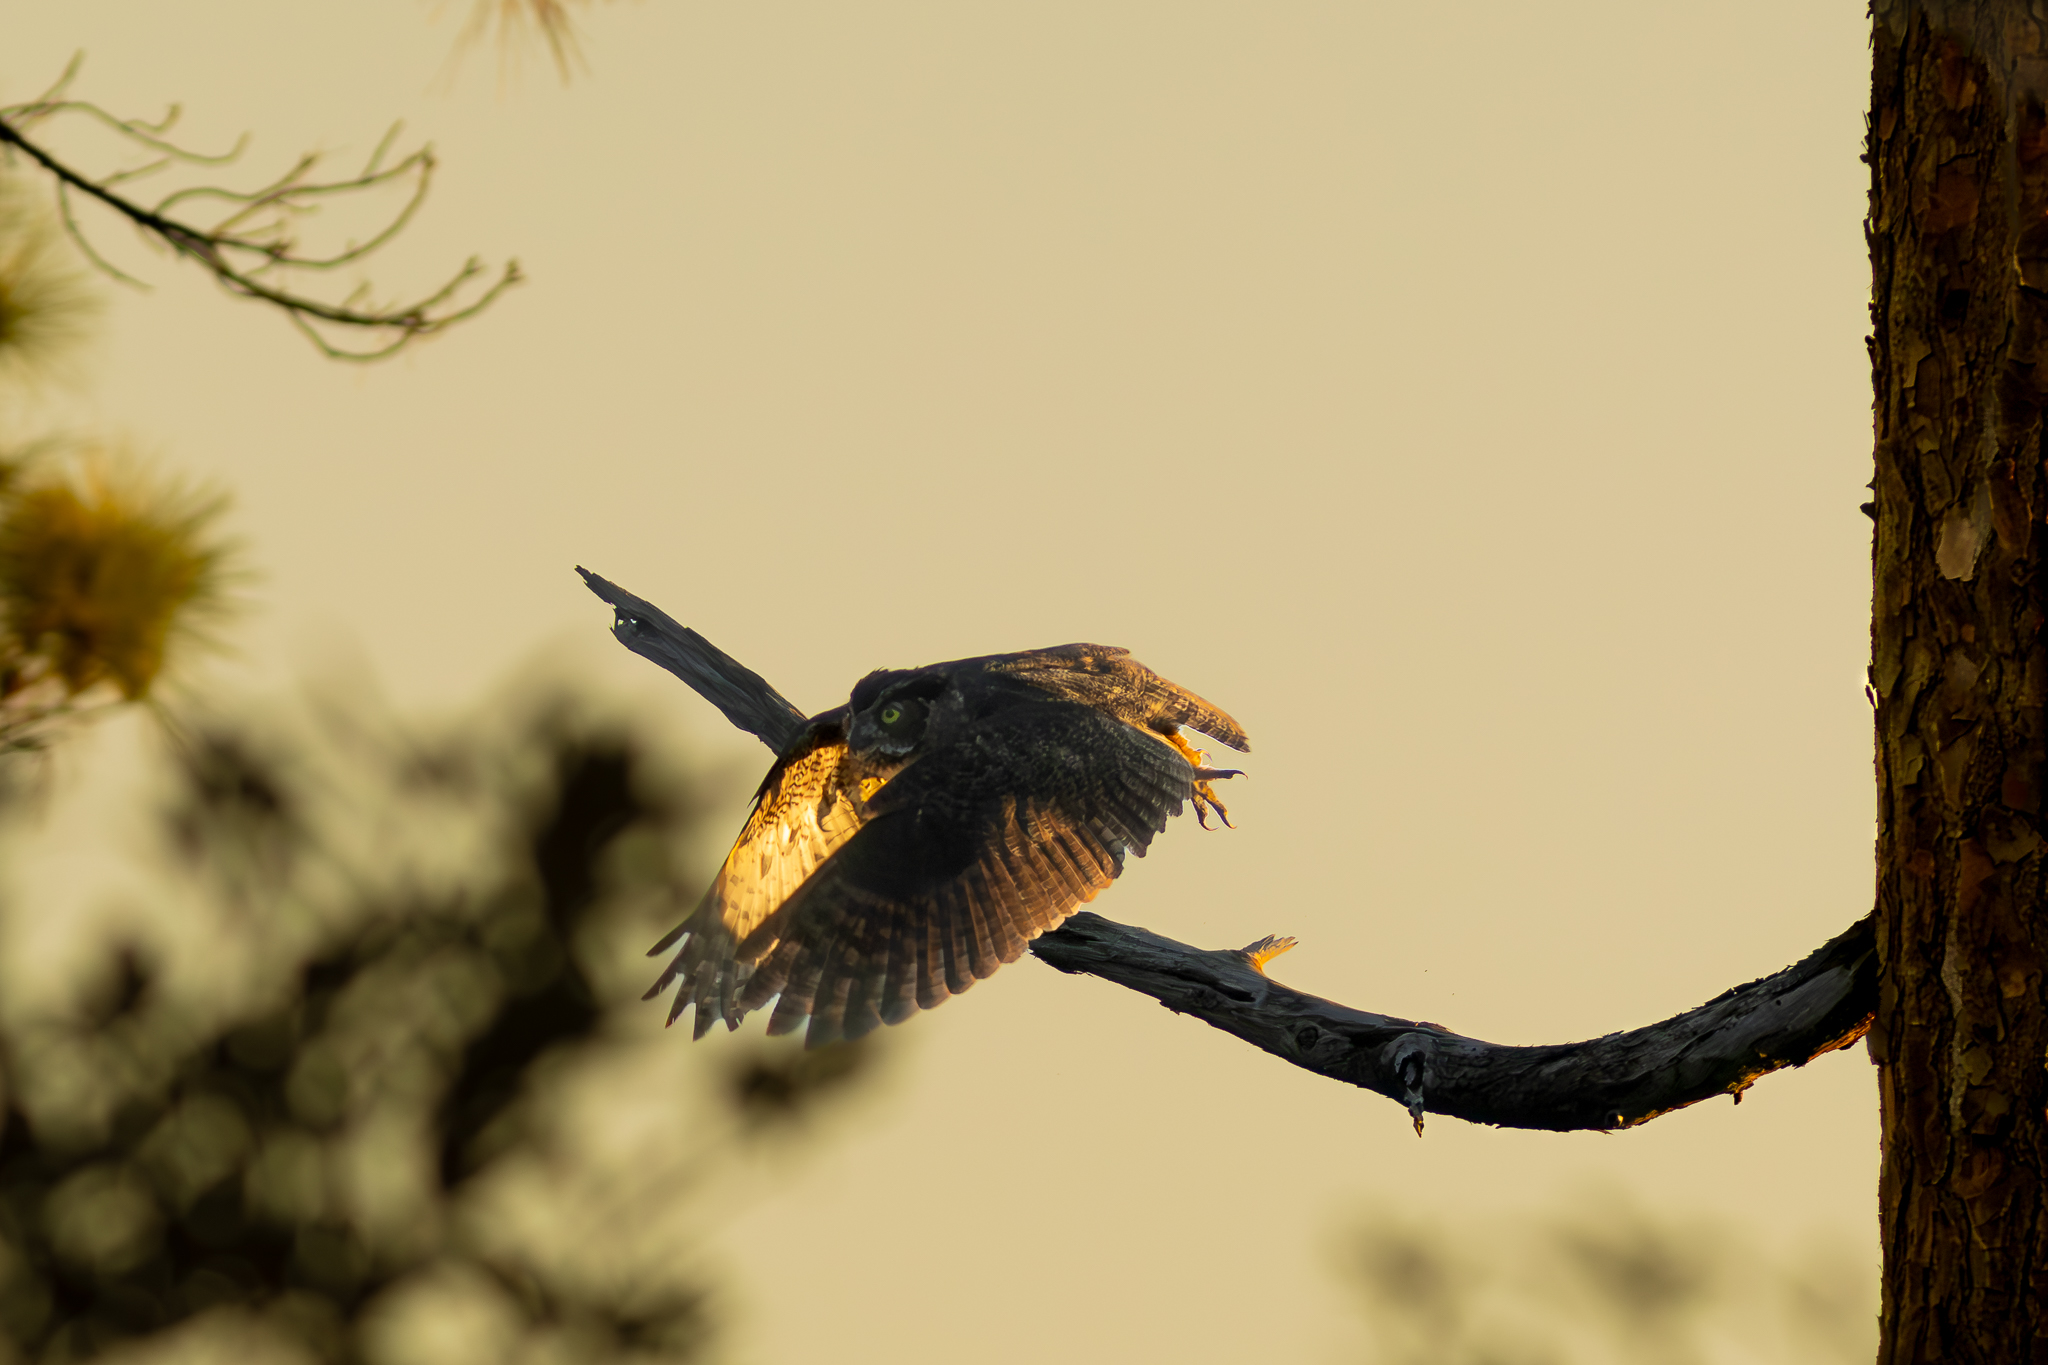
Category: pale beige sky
[1471,399]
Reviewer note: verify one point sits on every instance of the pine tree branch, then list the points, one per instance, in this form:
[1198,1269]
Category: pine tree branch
[1819,1004]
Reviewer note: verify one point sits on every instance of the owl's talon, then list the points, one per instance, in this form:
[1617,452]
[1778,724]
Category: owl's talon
[1204,798]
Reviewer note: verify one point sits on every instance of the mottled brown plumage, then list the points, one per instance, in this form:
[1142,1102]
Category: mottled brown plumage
[912,841]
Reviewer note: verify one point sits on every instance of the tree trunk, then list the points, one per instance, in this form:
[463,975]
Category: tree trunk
[1958,235]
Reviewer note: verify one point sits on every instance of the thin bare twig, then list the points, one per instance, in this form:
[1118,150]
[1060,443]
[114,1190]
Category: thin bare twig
[252,247]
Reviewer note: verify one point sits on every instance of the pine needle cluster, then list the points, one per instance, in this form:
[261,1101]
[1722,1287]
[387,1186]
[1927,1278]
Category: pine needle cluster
[47,304]
[515,22]
[107,574]
[103,575]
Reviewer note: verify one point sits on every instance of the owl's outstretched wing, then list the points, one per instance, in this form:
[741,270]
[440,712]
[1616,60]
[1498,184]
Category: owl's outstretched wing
[1109,679]
[810,804]
[962,859]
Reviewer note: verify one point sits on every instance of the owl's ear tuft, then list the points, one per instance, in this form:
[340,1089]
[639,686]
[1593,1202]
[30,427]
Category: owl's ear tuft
[924,686]
[869,690]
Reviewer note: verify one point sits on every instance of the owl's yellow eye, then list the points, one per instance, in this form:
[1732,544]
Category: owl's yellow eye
[891,714]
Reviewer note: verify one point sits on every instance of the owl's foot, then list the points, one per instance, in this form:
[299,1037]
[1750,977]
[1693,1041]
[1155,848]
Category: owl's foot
[1205,798]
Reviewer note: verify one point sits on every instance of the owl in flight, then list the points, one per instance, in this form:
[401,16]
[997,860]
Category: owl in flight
[910,842]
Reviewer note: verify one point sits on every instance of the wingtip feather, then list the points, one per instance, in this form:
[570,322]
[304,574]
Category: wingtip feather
[668,940]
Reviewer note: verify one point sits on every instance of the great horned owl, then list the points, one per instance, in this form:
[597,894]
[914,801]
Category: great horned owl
[910,842]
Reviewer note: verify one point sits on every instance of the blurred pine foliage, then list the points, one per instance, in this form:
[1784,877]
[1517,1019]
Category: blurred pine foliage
[1604,1281]
[371,1080]
[104,575]
[47,302]
[107,574]
[403,1080]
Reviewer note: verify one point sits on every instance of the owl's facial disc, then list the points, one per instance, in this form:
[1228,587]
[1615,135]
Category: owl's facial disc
[893,725]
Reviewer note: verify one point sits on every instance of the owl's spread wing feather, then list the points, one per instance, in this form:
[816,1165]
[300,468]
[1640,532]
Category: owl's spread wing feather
[1109,679]
[963,859]
[810,804]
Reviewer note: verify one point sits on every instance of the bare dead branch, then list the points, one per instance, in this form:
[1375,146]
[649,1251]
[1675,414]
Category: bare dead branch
[1820,1004]
[252,248]
[1817,1005]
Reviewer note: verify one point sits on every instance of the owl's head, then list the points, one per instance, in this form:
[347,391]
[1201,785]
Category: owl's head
[890,711]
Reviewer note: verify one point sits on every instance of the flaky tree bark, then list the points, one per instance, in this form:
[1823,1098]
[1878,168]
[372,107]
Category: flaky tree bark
[1958,234]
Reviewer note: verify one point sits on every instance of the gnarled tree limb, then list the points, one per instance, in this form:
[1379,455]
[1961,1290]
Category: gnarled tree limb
[1786,1019]
[1817,1005]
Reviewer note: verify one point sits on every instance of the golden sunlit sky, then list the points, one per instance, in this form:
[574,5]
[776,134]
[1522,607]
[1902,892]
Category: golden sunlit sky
[1470,399]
